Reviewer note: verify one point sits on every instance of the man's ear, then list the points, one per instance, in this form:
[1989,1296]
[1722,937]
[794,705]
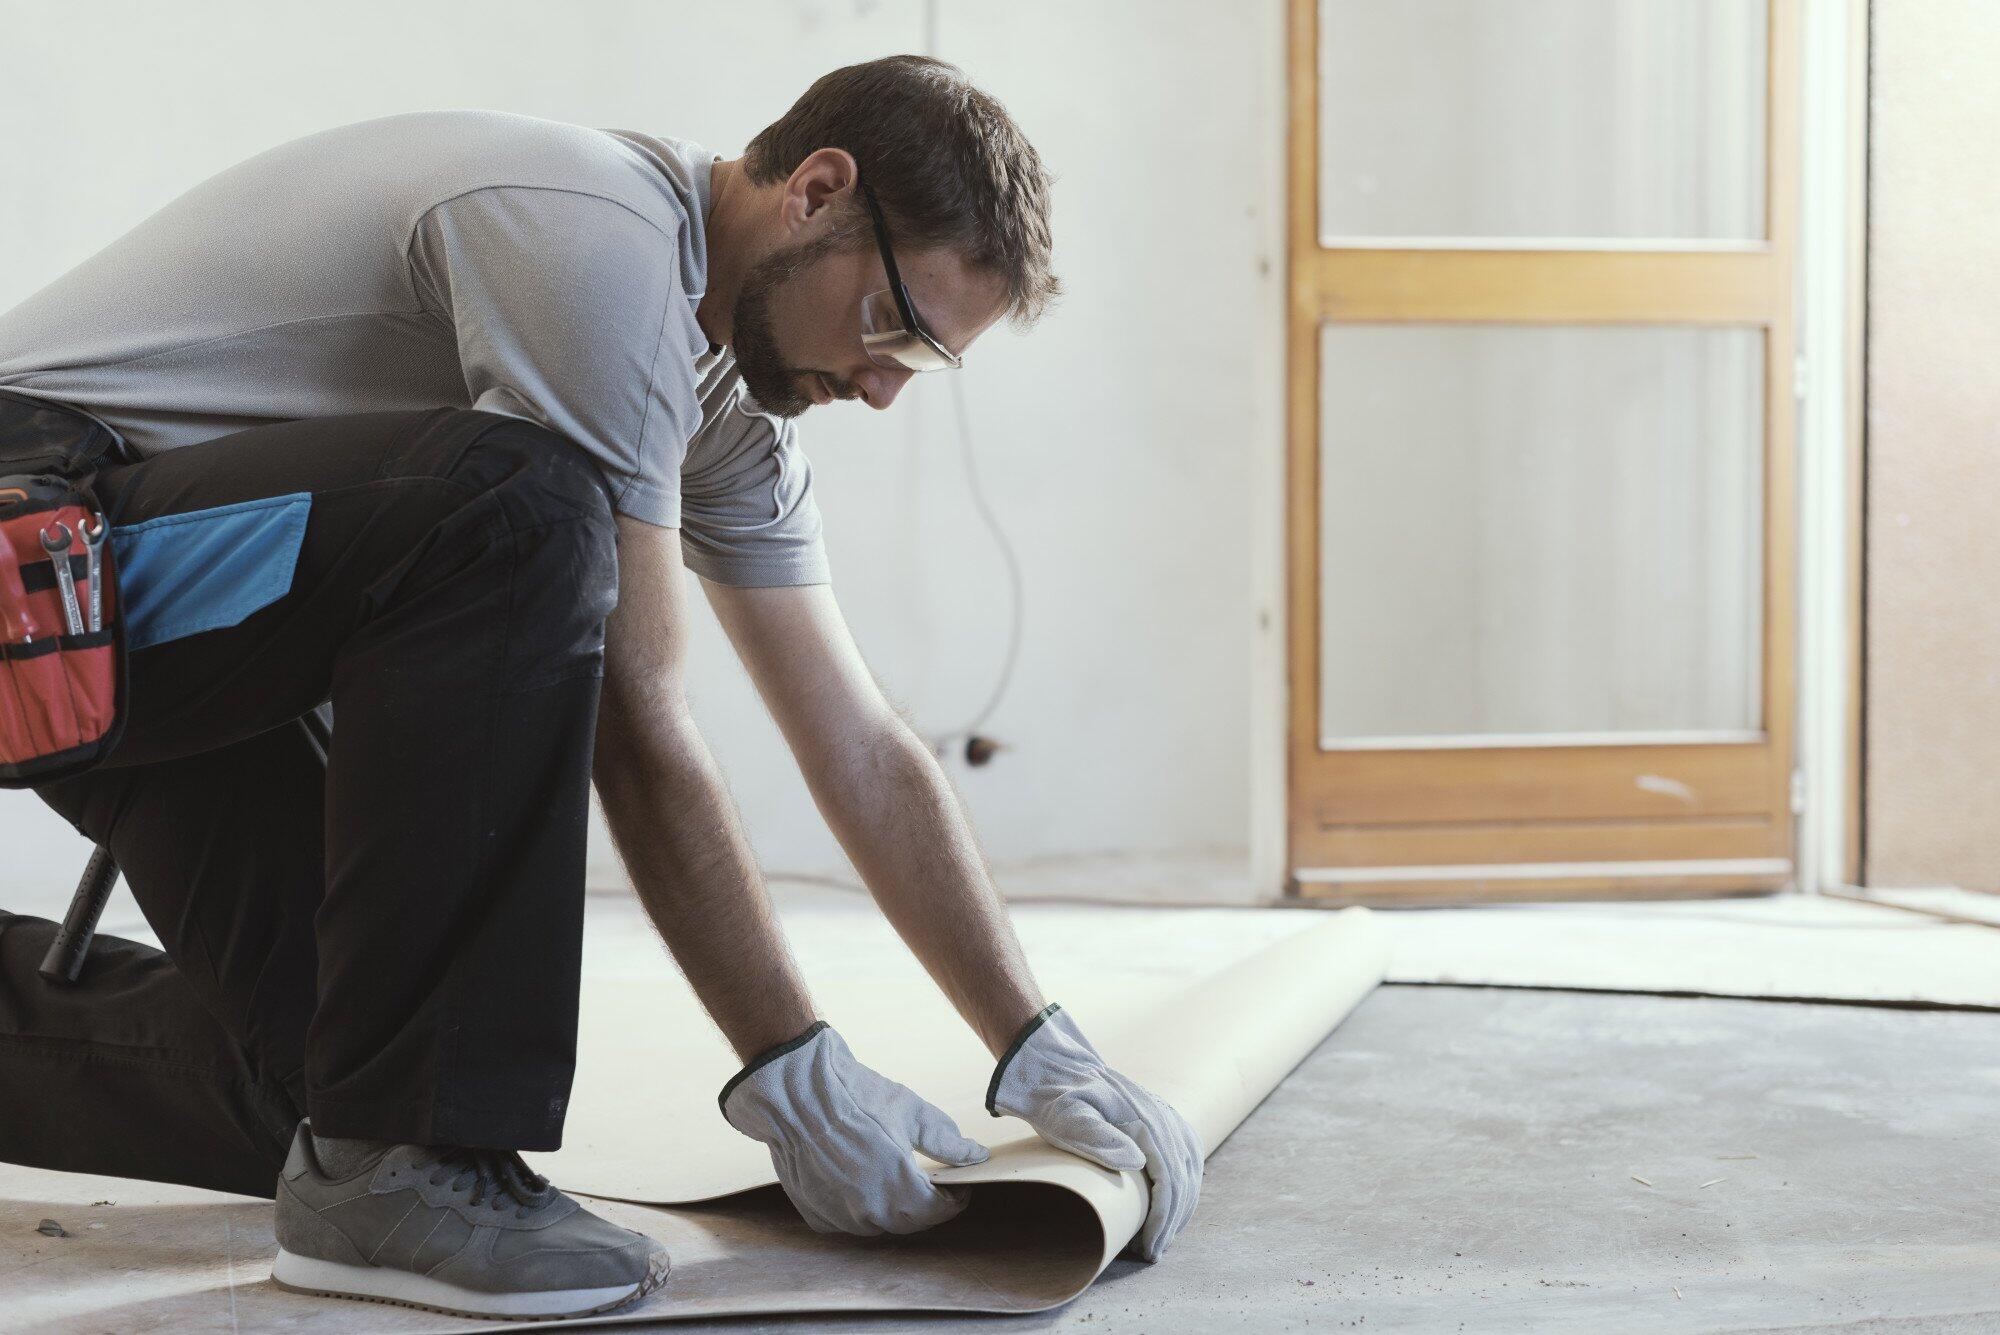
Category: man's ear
[825,178]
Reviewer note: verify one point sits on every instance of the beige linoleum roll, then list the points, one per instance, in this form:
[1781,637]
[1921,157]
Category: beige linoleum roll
[1211,1025]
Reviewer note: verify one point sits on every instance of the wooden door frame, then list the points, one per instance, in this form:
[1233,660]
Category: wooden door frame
[1586,837]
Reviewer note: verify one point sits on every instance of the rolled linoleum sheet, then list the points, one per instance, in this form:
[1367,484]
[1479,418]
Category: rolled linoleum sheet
[650,1060]
[1043,1224]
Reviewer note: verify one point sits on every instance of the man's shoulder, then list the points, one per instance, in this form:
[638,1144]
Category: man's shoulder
[441,155]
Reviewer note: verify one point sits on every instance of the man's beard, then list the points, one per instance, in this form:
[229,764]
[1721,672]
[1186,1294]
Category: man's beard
[766,374]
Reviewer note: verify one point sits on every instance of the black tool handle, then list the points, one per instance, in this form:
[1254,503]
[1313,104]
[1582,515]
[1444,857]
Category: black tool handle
[318,727]
[65,958]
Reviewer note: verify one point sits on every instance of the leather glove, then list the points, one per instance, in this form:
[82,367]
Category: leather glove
[840,1137]
[1053,1079]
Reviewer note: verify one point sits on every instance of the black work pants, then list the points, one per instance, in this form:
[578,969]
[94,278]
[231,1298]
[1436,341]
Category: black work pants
[390,942]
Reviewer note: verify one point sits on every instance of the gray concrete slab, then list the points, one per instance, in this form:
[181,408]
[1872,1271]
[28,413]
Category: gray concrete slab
[1464,1159]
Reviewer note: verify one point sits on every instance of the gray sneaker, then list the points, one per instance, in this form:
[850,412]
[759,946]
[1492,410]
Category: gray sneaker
[467,1232]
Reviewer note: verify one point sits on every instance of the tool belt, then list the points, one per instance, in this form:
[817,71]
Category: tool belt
[62,638]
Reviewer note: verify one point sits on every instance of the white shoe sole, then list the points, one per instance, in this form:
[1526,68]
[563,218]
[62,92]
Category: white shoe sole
[380,1284]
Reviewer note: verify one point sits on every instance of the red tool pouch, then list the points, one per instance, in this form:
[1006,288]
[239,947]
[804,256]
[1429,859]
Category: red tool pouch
[62,645]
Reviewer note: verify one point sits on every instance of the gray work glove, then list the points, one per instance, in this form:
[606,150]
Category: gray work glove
[1052,1079]
[840,1137]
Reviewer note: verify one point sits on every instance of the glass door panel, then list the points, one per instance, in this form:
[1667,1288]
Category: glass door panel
[1537,534]
[1604,119]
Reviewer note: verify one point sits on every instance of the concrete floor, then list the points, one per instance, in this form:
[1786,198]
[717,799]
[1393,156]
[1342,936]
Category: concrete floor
[1463,1159]
[1467,1159]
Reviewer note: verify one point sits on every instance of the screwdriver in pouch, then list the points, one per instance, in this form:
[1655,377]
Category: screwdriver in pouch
[58,550]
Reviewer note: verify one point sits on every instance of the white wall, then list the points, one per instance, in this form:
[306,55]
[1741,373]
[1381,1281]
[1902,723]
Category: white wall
[1932,645]
[1123,442]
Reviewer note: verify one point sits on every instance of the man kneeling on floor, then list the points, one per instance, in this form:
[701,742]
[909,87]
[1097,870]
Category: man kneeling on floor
[484,386]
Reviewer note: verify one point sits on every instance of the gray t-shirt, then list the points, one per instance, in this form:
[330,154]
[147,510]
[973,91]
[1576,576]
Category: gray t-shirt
[468,258]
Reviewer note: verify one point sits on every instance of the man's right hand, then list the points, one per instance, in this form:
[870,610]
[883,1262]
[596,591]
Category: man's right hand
[841,1137]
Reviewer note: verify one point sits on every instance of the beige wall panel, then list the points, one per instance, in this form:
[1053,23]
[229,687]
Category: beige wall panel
[1933,635]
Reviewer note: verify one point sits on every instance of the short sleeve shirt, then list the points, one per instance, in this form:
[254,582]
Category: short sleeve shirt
[467,258]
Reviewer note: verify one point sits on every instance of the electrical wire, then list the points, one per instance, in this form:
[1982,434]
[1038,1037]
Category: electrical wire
[1017,597]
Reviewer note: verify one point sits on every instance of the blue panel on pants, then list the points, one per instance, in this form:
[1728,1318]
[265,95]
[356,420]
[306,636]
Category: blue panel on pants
[183,574]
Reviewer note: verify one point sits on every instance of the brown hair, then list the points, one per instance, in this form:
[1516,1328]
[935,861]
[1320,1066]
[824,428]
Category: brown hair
[944,160]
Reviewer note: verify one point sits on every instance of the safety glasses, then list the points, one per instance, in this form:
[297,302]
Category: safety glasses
[890,330]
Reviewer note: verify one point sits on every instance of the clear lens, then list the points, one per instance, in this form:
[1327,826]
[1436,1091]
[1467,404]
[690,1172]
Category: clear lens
[889,344]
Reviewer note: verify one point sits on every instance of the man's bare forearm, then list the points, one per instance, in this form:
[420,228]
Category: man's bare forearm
[904,828]
[678,833]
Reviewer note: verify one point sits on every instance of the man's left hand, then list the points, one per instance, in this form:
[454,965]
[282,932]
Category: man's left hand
[842,1138]
[1053,1079]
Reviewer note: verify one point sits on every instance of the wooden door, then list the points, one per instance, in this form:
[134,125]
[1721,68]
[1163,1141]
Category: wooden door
[1540,482]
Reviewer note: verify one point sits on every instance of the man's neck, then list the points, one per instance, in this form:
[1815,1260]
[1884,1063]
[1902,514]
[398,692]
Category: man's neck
[731,243]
